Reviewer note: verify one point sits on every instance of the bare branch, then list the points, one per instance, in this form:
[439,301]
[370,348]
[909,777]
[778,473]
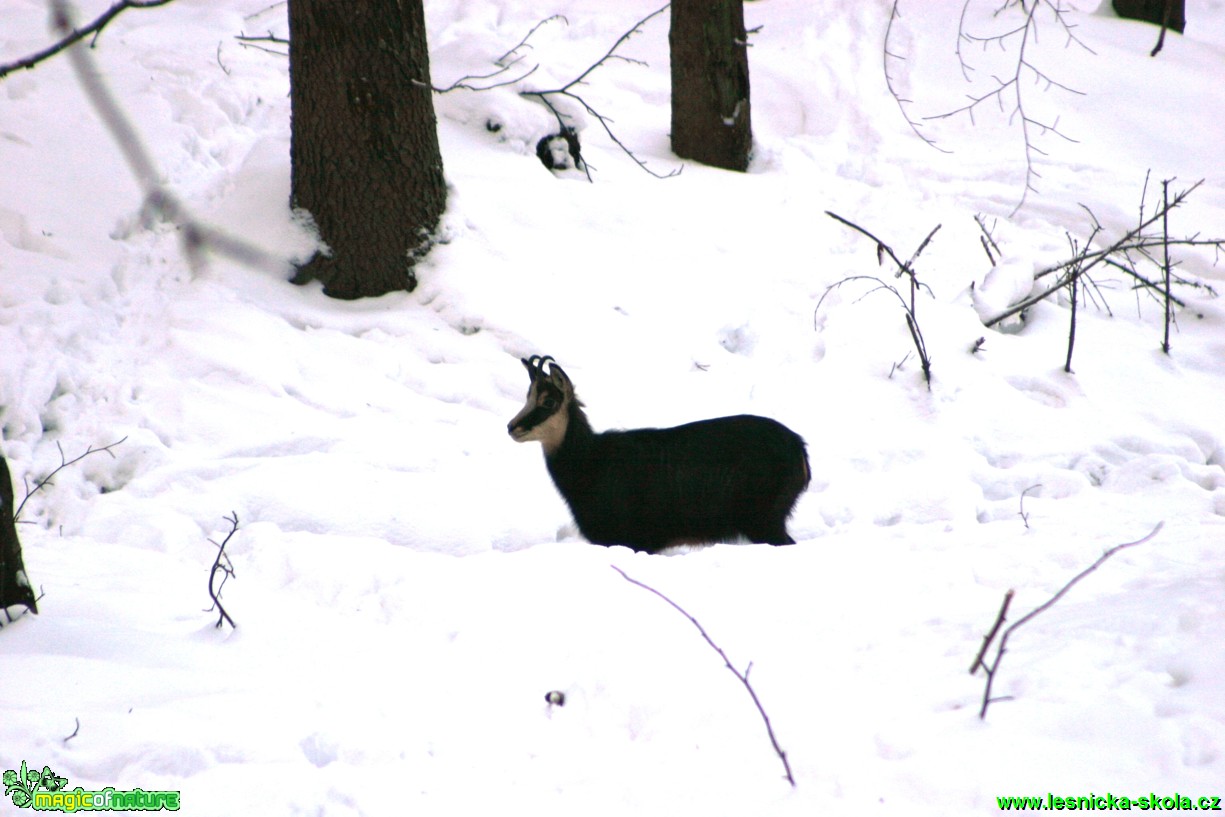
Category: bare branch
[904,268]
[990,636]
[64,463]
[1008,94]
[742,677]
[887,55]
[567,91]
[466,81]
[225,567]
[1021,505]
[1042,608]
[1134,240]
[265,38]
[523,43]
[197,238]
[72,34]
[612,52]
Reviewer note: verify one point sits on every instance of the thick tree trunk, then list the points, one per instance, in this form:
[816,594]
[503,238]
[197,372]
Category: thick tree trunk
[710,83]
[364,152]
[1154,11]
[14,584]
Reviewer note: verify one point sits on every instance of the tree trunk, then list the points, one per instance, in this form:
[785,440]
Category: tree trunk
[710,83]
[14,584]
[364,148]
[1154,11]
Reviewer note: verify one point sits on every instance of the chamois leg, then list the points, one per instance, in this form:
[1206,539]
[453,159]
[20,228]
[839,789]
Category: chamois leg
[774,534]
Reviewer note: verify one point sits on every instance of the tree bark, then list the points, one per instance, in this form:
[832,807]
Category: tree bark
[1154,11]
[14,584]
[364,149]
[710,83]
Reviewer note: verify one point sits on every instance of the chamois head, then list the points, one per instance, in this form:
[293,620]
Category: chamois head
[546,414]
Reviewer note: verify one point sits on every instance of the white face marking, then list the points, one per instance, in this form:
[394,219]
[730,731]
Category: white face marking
[550,432]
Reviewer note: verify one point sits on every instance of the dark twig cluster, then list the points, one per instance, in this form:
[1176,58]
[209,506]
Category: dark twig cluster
[223,566]
[1141,245]
[906,268]
[742,677]
[72,34]
[992,668]
[567,91]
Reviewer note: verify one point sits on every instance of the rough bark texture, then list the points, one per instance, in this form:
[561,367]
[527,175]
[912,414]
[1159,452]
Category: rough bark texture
[14,585]
[710,83]
[1154,11]
[364,149]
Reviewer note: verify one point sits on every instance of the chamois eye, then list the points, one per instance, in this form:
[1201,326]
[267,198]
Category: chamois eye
[549,403]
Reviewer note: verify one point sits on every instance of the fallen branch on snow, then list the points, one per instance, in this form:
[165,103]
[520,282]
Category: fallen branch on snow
[1042,608]
[742,677]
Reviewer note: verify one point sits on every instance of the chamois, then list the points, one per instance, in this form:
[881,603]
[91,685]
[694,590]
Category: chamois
[648,488]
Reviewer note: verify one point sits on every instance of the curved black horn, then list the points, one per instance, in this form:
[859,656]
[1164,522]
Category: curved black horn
[535,365]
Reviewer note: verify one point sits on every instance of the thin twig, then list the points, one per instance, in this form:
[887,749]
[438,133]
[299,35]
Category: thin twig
[1002,647]
[987,240]
[903,267]
[1008,94]
[266,38]
[1165,243]
[742,677]
[1025,516]
[990,636]
[76,731]
[888,54]
[64,463]
[72,34]
[226,569]
[567,91]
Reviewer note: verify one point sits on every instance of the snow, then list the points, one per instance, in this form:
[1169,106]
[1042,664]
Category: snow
[408,586]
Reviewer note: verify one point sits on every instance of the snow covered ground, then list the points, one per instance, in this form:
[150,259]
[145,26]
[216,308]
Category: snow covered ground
[408,586]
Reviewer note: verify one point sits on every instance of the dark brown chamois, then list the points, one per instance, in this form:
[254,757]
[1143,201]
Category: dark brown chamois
[648,488]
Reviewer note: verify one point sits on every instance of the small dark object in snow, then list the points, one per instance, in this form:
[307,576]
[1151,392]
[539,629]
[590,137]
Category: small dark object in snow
[560,151]
[555,697]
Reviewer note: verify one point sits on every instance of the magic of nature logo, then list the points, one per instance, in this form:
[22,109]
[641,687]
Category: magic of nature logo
[47,791]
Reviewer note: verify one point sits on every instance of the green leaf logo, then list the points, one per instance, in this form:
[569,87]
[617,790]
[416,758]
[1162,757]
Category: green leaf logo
[51,781]
[22,785]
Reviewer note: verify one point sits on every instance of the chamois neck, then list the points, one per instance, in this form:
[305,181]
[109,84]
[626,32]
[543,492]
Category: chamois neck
[578,434]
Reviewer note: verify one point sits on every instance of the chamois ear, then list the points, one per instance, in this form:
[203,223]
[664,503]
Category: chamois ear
[559,378]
